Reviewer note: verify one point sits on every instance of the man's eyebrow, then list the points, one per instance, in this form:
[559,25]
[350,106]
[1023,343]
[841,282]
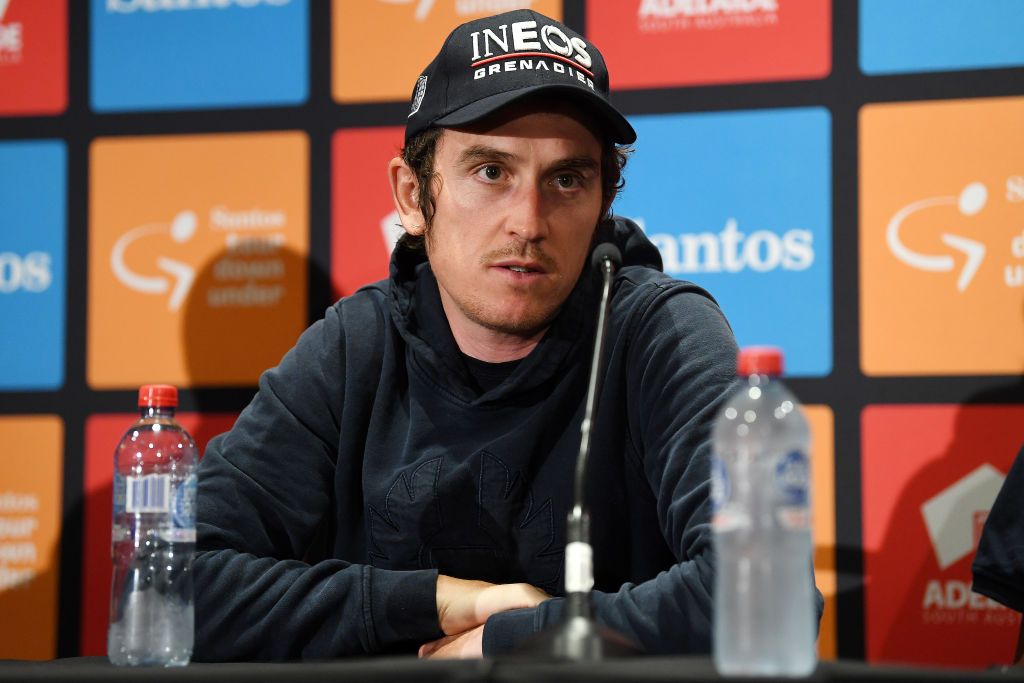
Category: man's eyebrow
[478,153]
[582,163]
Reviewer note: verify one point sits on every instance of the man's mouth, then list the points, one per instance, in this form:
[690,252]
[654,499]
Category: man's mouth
[521,267]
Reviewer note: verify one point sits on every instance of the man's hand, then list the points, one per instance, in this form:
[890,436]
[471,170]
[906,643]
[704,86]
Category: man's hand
[463,605]
[466,645]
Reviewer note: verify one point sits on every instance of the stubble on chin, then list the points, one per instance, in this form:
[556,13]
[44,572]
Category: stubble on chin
[488,314]
[525,324]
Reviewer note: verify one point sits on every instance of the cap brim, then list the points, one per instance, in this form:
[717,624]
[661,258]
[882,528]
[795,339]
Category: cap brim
[615,123]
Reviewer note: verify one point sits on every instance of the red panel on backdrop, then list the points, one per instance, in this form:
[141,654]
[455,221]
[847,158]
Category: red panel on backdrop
[661,43]
[33,56]
[364,224]
[102,434]
[930,474]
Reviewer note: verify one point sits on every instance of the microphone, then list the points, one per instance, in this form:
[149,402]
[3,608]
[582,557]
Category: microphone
[579,637]
[606,255]
[579,571]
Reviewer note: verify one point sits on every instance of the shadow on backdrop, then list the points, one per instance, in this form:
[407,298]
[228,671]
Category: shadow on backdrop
[246,307]
[939,599]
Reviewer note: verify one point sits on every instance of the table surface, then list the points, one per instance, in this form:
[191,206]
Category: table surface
[512,670]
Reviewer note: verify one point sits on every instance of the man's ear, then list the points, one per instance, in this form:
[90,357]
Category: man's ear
[405,190]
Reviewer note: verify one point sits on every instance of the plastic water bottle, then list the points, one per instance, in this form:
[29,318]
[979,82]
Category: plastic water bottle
[154,535]
[764,615]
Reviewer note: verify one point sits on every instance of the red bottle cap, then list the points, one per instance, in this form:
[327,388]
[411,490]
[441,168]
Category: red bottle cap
[759,360]
[158,396]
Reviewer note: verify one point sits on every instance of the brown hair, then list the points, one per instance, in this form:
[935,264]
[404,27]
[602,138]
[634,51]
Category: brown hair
[419,153]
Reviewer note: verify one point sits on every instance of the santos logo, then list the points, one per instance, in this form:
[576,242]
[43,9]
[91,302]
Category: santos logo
[129,6]
[250,271]
[464,7]
[972,199]
[30,273]
[19,536]
[732,251]
[138,62]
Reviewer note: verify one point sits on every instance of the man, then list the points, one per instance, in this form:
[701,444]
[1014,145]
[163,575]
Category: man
[401,479]
[998,566]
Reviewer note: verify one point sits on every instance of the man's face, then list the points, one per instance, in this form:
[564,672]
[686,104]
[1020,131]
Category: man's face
[516,208]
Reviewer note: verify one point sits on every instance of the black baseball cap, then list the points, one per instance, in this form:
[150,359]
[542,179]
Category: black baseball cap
[489,63]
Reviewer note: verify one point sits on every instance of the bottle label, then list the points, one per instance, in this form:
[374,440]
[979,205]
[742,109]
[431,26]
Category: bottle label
[184,509]
[726,514]
[792,486]
[119,493]
[721,486]
[175,535]
[792,477]
[150,493]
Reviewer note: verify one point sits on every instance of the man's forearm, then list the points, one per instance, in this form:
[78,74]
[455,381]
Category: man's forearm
[261,608]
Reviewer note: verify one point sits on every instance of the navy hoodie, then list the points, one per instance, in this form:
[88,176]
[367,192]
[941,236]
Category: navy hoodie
[369,461]
[998,566]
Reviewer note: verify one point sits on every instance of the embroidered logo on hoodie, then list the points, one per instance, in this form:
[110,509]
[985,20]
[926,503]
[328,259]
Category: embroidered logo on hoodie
[473,520]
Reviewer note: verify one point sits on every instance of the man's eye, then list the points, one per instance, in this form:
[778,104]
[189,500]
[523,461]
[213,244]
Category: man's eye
[490,172]
[567,181]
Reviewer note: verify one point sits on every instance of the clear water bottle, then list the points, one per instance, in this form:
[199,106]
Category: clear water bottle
[154,535]
[764,615]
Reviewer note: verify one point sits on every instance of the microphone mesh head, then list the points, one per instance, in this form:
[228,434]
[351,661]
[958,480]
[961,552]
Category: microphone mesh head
[605,250]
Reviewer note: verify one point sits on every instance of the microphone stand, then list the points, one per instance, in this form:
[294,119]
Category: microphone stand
[578,637]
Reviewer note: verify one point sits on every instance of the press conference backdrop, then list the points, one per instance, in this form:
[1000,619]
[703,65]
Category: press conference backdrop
[185,185]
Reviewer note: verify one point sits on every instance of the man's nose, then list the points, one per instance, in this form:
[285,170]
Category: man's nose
[527,216]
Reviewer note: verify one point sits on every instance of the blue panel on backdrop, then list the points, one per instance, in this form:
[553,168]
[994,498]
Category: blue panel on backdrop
[187,54]
[740,203]
[33,194]
[940,35]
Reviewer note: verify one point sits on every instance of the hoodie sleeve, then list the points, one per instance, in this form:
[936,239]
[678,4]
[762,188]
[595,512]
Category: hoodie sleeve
[265,488]
[998,566]
[680,371]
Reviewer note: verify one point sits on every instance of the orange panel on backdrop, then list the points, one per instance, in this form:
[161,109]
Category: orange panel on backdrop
[364,222]
[930,474]
[197,257]
[823,499]
[33,57]
[659,43]
[942,237]
[102,434]
[379,47]
[31,473]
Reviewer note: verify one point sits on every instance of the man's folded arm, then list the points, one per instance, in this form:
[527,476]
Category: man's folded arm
[253,608]
[265,488]
[683,369]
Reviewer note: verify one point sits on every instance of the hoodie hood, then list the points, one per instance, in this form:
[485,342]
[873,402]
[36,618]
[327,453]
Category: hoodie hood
[418,314]
[636,249]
